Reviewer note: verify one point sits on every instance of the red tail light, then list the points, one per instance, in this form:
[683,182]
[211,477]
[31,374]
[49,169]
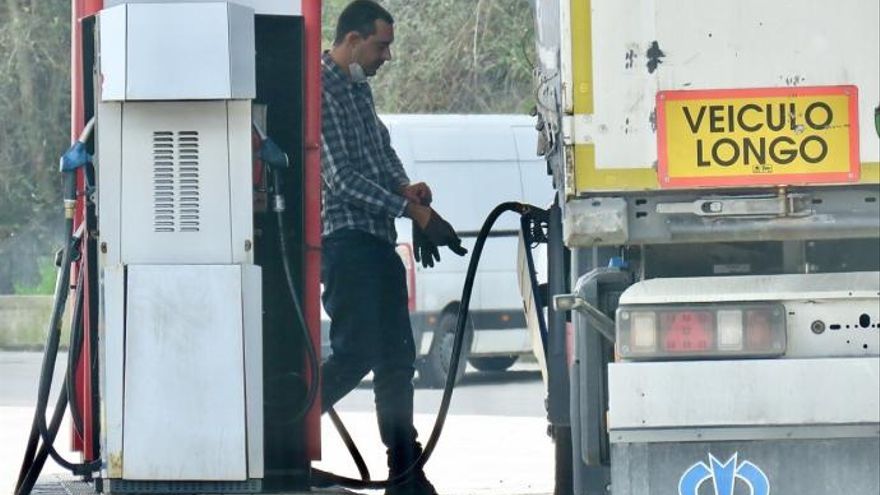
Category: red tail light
[687,331]
[701,331]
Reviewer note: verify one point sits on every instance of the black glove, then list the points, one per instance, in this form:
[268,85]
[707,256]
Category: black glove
[424,250]
[440,233]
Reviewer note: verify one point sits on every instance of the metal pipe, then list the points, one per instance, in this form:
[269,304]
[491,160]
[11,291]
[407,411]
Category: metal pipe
[87,131]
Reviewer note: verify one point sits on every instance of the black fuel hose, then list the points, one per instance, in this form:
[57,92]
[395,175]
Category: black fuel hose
[326,478]
[277,161]
[35,458]
[67,392]
[74,349]
[32,463]
[311,355]
[356,456]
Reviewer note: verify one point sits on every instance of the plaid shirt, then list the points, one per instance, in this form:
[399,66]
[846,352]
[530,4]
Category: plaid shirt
[360,172]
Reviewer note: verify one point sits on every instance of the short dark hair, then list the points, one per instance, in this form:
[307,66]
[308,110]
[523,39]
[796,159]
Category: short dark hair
[360,16]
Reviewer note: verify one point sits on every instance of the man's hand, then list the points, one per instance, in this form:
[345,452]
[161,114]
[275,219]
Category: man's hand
[418,193]
[441,233]
[425,251]
[430,230]
[418,213]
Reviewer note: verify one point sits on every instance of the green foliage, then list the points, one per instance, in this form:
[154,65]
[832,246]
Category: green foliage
[48,272]
[453,56]
[34,130]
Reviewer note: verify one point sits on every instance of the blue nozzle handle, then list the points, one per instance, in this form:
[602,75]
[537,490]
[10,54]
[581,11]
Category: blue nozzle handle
[272,155]
[74,158]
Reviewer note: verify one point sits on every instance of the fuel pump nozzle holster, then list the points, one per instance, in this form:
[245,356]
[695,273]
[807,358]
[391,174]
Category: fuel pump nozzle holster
[277,160]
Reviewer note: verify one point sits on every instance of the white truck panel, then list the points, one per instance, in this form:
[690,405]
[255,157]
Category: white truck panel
[723,45]
[743,394]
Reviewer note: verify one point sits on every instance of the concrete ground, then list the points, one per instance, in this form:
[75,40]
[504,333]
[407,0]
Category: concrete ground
[494,441]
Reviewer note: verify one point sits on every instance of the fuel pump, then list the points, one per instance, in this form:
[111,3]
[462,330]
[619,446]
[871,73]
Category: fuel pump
[207,371]
[181,375]
[195,325]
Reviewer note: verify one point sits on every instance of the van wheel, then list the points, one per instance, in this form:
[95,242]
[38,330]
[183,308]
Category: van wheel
[435,367]
[493,363]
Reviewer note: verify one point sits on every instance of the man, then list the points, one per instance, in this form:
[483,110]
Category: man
[364,189]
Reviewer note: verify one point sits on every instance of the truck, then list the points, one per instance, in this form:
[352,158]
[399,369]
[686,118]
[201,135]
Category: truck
[714,248]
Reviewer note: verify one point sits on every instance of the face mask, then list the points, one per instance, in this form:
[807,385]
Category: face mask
[357,72]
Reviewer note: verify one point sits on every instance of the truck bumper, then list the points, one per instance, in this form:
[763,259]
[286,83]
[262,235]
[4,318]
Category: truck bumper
[799,426]
[802,467]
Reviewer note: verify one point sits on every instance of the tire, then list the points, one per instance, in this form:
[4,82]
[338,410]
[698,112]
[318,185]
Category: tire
[493,363]
[434,369]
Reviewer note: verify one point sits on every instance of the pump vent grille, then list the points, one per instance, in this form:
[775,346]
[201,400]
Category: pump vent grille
[176,202]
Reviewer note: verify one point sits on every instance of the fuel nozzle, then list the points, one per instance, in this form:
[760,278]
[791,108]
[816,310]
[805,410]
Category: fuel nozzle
[276,159]
[74,158]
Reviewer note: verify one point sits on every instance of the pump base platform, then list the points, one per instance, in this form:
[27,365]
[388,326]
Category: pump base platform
[65,485]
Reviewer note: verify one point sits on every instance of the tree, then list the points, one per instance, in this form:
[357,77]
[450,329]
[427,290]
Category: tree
[453,56]
[34,130]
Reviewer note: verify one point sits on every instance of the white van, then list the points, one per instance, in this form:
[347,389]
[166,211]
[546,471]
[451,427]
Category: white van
[472,163]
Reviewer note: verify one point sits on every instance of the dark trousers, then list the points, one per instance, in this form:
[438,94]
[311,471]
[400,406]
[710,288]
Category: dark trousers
[366,298]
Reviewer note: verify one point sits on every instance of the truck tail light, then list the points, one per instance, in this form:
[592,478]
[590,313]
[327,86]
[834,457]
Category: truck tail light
[701,331]
[644,331]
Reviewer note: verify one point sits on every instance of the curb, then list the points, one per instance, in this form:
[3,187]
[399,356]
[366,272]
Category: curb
[23,322]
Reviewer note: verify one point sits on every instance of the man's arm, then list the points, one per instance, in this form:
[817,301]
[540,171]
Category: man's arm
[396,166]
[339,174]
[418,193]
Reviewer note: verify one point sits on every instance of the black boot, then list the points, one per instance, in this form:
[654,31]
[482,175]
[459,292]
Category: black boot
[416,483]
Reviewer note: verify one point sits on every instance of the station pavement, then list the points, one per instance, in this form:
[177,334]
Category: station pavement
[477,455]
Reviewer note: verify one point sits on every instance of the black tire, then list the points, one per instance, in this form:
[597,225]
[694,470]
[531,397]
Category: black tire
[493,363]
[435,367]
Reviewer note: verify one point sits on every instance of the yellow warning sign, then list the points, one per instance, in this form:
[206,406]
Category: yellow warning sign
[773,136]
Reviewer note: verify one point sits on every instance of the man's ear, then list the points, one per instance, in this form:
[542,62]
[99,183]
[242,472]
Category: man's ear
[353,38]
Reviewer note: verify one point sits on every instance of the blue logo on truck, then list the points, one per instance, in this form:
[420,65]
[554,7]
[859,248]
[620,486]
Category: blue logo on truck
[723,476]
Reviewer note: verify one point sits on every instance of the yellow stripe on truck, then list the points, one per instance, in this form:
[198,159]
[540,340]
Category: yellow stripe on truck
[582,56]
[870,173]
[588,178]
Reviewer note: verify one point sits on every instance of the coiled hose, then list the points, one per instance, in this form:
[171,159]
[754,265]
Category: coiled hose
[325,478]
[36,452]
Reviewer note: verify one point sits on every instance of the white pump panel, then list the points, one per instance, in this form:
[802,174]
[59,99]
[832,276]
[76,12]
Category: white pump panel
[177,51]
[187,394]
[267,7]
[185,190]
[181,305]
